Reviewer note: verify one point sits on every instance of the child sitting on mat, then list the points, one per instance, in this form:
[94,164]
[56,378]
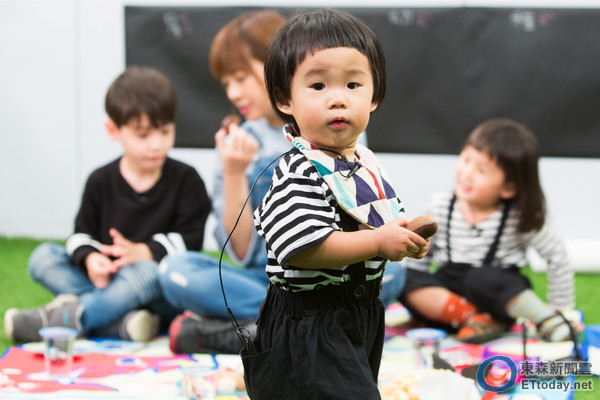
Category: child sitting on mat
[134,211]
[331,219]
[496,211]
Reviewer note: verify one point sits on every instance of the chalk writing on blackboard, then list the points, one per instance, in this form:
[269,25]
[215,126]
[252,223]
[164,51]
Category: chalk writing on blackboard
[177,24]
[448,69]
[530,21]
[407,17]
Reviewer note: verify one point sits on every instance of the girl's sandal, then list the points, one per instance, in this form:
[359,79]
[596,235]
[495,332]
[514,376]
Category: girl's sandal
[479,328]
[547,327]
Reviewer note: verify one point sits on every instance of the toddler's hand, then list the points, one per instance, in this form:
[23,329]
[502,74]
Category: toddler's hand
[421,253]
[397,242]
[125,251]
[99,267]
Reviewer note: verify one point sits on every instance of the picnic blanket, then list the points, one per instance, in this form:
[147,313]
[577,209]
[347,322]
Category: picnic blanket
[113,369]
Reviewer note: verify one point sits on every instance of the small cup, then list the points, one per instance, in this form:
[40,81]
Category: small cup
[426,343]
[199,382]
[58,355]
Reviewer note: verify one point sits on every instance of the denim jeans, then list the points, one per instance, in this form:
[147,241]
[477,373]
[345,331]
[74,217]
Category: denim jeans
[393,281]
[190,281]
[132,287]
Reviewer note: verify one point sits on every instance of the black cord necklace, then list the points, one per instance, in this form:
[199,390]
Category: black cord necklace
[351,168]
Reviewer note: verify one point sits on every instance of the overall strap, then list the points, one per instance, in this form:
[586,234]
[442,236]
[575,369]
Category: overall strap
[450,209]
[357,273]
[492,251]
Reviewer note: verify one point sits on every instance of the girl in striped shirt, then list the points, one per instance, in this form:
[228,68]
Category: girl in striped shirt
[331,219]
[496,212]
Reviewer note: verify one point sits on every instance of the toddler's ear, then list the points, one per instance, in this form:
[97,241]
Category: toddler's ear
[374,106]
[285,107]
[112,129]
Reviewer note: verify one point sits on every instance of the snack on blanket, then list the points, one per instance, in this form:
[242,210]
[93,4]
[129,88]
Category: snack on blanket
[406,386]
[230,119]
[423,225]
[228,382]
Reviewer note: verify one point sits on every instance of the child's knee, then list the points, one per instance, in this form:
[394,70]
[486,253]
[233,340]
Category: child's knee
[171,280]
[172,273]
[44,256]
[142,279]
[177,262]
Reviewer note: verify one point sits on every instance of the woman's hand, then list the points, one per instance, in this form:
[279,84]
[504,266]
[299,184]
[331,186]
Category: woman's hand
[236,148]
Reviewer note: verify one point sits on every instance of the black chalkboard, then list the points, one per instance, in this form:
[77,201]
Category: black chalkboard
[448,69]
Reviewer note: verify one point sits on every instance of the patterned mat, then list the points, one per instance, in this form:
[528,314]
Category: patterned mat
[111,369]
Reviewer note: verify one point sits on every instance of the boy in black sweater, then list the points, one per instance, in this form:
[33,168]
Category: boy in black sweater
[134,211]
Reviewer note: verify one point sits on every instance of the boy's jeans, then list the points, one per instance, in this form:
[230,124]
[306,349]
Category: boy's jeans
[132,287]
[190,281]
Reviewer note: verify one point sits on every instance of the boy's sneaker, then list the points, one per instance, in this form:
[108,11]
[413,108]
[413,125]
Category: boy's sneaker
[190,334]
[137,326]
[24,325]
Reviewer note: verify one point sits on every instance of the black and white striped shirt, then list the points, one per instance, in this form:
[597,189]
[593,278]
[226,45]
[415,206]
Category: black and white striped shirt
[298,212]
[470,244]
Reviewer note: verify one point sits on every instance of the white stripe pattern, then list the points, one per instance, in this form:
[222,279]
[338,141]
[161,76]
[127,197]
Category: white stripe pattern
[177,241]
[78,240]
[165,242]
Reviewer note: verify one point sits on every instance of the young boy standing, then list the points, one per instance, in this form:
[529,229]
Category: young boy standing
[134,211]
[331,218]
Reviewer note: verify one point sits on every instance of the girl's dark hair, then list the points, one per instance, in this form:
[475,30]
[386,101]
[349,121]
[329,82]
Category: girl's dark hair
[318,30]
[515,149]
[141,90]
[247,36]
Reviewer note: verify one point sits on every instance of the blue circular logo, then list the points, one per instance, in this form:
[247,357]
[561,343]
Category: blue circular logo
[503,381]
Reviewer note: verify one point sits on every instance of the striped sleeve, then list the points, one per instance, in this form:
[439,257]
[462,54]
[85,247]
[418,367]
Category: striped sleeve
[172,243]
[78,240]
[561,281]
[296,213]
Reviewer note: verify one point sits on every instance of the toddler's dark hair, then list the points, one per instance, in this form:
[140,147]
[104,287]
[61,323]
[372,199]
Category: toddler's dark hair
[515,149]
[309,32]
[141,90]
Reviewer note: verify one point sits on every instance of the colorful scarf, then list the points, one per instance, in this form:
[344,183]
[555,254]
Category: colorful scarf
[366,194]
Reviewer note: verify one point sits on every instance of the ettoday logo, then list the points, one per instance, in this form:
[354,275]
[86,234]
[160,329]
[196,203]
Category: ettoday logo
[500,382]
[500,374]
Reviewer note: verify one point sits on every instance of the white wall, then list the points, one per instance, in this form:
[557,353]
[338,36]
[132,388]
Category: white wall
[57,59]
[38,114]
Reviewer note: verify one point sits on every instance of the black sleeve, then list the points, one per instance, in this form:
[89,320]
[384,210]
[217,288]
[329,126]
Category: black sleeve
[86,238]
[192,210]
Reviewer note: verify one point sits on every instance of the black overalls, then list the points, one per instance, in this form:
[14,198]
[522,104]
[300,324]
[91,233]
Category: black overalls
[488,288]
[345,325]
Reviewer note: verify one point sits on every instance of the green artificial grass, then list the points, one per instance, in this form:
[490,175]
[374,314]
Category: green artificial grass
[16,286]
[19,291]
